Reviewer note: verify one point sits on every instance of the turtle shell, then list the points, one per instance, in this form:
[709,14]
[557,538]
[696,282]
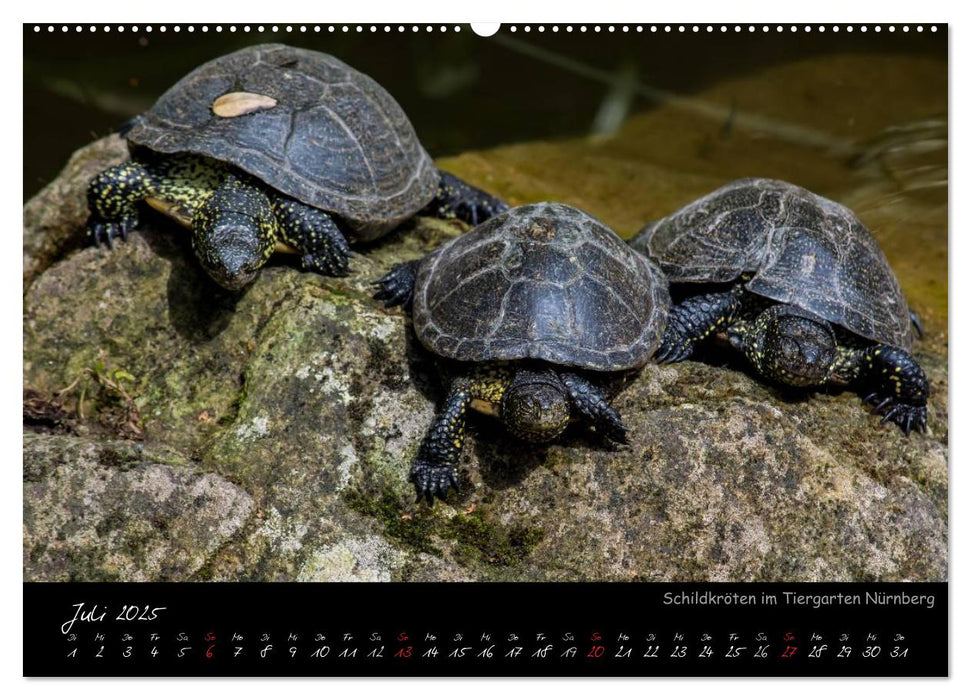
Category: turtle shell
[798,247]
[542,281]
[328,136]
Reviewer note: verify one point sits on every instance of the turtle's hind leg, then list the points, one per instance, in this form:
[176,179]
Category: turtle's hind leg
[397,288]
[694,319]
[315,235]
[459,200]
[113,196]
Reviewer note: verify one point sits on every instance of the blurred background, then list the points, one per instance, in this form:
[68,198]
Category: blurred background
[464,92]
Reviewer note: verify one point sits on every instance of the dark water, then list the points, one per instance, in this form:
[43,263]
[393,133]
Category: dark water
[462,92]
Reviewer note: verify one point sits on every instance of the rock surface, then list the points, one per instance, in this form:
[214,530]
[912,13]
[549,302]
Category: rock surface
[174,431]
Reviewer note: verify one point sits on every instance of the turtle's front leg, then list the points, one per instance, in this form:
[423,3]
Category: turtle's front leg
[397,288]
[459,200]
[314,234]
[590,402]
[894,383]
[694,319]
[435,467]
[113,196]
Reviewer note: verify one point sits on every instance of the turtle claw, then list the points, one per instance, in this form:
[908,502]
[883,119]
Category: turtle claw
[906,416]
[672,351]
[879,406]
[396,287]
[332,262]
[464,202]
[918,326]
[618,434]
[105,232]
[432,481]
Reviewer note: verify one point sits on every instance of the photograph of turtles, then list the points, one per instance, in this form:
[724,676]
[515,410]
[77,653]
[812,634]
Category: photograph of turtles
[276,148]
[803,290]
[538,309]
[332,342]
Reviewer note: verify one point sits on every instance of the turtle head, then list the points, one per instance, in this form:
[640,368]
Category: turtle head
[232,234]
[789,345]
[536,409]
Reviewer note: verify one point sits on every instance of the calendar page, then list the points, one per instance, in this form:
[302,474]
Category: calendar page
[485,350]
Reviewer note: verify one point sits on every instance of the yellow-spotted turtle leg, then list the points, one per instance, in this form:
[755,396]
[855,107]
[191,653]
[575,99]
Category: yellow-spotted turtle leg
[459,200]
[113,196]
[896,384]
[314,233]
[434,470]
[397,288]
[694,319]
[589,402]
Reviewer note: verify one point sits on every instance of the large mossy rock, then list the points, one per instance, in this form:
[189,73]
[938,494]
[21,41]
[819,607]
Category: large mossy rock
[174,431]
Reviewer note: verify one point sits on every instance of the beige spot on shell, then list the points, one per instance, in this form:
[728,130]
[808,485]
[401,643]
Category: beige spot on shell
[236,104]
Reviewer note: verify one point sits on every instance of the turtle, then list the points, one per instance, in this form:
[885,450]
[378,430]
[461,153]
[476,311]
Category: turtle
[276,148]
[797,284]
[537,316]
